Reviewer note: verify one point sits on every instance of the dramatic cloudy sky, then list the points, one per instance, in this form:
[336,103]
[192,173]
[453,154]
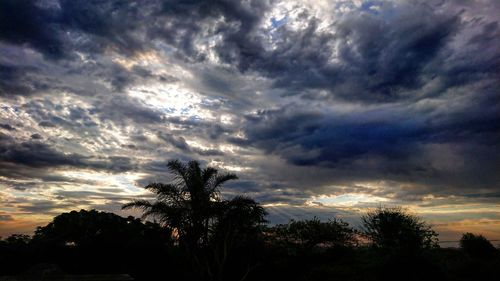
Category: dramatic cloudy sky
[322,108]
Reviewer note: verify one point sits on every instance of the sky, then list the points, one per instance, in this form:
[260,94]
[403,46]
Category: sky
[322,108]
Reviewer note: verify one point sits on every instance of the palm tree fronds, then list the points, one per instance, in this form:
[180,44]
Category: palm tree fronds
[139,204]
[178,169]
[220,179]
[208,173]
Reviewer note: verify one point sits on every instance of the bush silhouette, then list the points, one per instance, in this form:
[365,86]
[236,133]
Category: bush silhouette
[477,246]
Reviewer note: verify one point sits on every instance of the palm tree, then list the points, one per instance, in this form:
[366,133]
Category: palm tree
[209,228]
[186,204]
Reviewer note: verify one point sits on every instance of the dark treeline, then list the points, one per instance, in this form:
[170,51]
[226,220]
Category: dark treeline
[198,235]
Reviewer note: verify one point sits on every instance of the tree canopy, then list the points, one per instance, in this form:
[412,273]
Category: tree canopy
[477,246]
[395,229]
[96,229]
[306,234]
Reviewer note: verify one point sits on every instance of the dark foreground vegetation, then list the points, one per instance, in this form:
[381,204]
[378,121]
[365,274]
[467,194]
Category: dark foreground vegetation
[197,235]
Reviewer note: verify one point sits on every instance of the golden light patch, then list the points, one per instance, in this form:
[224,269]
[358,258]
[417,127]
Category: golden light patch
[142,58]
[490,228]
[22,225]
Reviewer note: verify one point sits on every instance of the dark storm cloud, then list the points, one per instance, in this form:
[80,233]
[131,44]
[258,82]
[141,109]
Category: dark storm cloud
[20,80]
[202,127]
[104,21]
[24,22]
[377,59]
[390,56]
[176,141]
[377,56]
[52,116]
[64,32]
[41,155]
[46,124]
[179,23]
[388,131]
[123,109]
[395,137]
[24,73]
[180,143]
[56,28]
[404,92]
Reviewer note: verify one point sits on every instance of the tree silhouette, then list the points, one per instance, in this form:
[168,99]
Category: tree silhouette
[394,229]
[94,242]
[96,229]
[305,235]
[477,246]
